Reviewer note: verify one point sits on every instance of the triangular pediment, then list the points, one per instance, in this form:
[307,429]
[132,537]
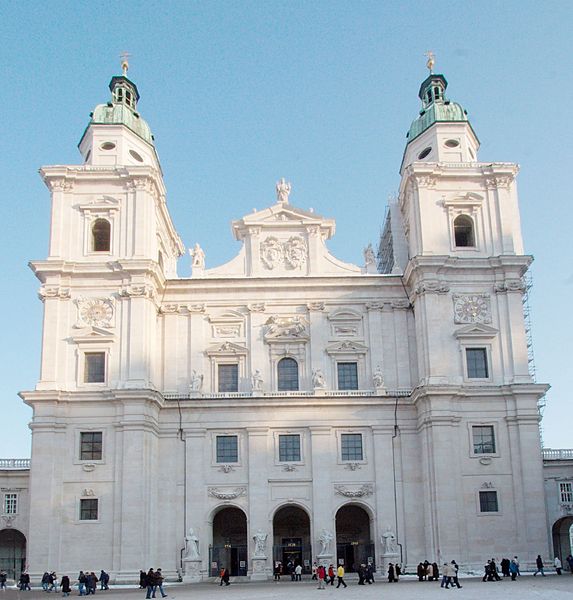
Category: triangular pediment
[226,349]
[282,216]
[347,347]
[100,203]
[93,334]
[476,330]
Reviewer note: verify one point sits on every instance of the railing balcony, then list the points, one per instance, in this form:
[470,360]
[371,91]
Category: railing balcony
[14,463]
[558,454]
[319,393]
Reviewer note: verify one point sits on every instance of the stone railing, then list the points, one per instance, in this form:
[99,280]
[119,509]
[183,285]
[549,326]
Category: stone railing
[559,454]
[14,463]
[293,394]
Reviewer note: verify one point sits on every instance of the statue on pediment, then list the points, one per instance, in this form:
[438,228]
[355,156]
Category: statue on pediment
[198,256]
[283,190]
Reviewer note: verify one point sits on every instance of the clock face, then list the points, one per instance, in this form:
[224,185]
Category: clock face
[96,312]
[472,309]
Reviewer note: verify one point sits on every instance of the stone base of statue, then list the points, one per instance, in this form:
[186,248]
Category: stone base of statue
[191,570]
[325,560]
[386,559]
[380,391]
[320,392]
[259,568]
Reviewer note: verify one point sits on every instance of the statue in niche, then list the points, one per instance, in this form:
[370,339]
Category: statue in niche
[378,378]
[325,538]
[196,381]
[191,545]
[389,541]
[260,542]
[283,190]
[257,381]
[198,256]
[318,380]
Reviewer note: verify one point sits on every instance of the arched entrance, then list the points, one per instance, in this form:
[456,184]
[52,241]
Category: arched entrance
[291,539]
[229,549]
[562,533]
[12,552]
[353,540]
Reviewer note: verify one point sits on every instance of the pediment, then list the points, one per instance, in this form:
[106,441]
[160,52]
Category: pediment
[347,347]
[226,349]
[345,314]
[92,334]
[100,203]
[469,200]
[476,330]
[282,216]
[230,316]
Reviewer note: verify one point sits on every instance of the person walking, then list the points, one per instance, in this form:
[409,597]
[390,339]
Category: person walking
[446,576]
[516,560]
[539,564]
[558,565]
[340,574]
[3,578]
[82,583]
[298,573]
[66,589]
[276,571]
[504,564]
[314,571]
[24,582]
[150,584]
[569,560]
[226,577]
[454,575]
[159,582]
[330,575]
[321,574]
[513,569]
[391,573]
[104,580]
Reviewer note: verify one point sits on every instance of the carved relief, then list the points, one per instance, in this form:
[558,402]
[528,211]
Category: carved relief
[54,291]
[291,254]
[9,520]
[229,331]
[487,485]
[285,327]
[227,494]
[432,286]
[510,285]
[137,291]
[472,308]
[257,307]
[96,312]
[367,489]
[352,466]
[315,306]
[87,492]
[226,468]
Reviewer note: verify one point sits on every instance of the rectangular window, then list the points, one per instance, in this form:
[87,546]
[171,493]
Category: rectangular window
[227,449]
[89,509]
[94,368]
[347,375]
[289,448]
[488,502]
[228,378]
[565,492]
[91,445]
[483,439]
[10,504]
[476,359]
[351,446]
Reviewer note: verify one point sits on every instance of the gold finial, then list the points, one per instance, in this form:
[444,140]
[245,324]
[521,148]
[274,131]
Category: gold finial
[431,61]
[124,62]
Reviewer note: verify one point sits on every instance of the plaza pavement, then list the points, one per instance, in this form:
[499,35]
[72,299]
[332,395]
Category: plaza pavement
[526,587]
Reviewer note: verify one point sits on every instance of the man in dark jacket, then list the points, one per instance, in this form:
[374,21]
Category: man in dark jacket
[104,580]
[539,564]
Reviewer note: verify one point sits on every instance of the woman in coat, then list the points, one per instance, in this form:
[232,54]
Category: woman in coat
[66,585]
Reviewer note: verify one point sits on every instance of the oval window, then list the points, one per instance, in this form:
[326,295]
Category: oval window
[135,155]
[107,146]
[424,153]
[451,143]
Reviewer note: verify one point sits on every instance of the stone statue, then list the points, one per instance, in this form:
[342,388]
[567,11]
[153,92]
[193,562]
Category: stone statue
[196,381]
[318,380]
[283,190]
[389,542]
[198,256]
[257,381]
[369,256]
[431,61]
[378,378]
[325,538]
[260,542]
[191,545]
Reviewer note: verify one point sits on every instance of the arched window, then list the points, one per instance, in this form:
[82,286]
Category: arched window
[287,375]
[101,236]
[464,232]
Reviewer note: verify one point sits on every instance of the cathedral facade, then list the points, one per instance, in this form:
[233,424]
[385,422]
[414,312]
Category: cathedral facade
[286,406]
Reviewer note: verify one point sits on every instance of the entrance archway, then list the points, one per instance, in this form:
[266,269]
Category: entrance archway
[291,539]
[562,538]
[12,552]
[229,549]
[353,540]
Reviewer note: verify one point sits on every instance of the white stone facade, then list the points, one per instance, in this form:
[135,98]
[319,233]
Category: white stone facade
[180,382]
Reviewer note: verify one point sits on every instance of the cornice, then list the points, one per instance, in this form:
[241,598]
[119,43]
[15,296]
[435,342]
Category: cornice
[471,391]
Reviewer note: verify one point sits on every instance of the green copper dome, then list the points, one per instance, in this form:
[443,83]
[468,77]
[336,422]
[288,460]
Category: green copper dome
[436,108]
[122,109]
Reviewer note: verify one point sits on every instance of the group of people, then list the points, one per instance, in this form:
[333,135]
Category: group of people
[327,575]
[152,581]
[87,582]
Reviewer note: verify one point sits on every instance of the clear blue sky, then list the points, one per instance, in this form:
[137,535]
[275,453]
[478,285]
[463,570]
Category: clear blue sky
[239,94]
